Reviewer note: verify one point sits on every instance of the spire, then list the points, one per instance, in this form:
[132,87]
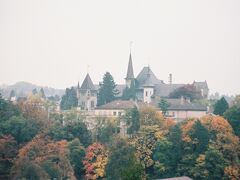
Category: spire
[130,74]
[87,83]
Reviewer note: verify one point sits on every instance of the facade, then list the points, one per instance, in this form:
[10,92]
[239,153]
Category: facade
[115,108]
[180,109]
[147,86]
[87,94]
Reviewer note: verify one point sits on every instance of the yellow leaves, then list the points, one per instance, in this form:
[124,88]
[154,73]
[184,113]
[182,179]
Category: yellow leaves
[232,172]
[150,116]
[95,161]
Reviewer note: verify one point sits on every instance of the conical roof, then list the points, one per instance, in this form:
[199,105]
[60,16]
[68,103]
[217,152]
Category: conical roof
[130,74]
[87,83]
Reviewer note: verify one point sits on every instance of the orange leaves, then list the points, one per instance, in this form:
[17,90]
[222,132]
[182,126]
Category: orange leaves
[216,123]
[232,172]
[40,150]
[95,161]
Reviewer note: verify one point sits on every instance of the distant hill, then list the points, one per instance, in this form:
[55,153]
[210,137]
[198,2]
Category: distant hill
[23,89]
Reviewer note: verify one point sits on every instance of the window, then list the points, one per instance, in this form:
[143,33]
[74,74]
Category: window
[92,104]
[114,113]
[146,93]
[119,113]
[83,104]
[173,114]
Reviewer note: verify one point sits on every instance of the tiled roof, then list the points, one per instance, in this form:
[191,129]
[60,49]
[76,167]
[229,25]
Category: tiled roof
[87,83]
[163,90]
[147,75]
[122,104]
[119,104]
[182,105]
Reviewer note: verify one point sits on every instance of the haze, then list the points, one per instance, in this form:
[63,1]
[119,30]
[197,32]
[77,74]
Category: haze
[52,43]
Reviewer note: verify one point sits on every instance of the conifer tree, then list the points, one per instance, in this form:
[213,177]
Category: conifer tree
[220,107]
[107,91]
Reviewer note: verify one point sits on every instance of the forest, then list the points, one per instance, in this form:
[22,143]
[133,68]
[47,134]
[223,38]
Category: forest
[36,144]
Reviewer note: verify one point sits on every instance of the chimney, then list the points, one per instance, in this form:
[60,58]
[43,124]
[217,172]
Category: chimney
[170,78]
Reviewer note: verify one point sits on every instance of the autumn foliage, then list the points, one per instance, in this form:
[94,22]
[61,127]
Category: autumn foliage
[95,161]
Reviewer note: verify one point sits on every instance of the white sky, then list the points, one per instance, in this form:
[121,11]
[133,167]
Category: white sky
[53,42]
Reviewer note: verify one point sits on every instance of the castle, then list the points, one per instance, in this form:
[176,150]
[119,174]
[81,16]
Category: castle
[147,86]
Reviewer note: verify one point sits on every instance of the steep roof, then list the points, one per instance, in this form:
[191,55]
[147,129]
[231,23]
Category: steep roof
[130,74]
[146,75]
[182,104]
[87,83]
[163,90]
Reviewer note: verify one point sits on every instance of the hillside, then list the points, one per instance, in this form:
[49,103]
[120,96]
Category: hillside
[23,89]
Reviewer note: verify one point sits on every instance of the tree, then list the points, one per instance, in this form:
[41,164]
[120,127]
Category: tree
[42,94]
[12,94]
[107,91]
[8,151]
[163,104]
[95,161]
[200,137]
[34,91]
[133,120]
[77,154]
[123,163]
[42,158]
[69,99]
[220,107]
[71,130]
[105,131]
[186,91]
[20,128]
[7,110]
[129,93]
[233,117]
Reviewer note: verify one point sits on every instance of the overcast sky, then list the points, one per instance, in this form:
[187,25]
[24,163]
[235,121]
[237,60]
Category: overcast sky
[52,43]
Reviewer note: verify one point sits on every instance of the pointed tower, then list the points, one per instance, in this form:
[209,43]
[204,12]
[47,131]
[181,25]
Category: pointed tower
[88,94]
[78,93]
[130,75]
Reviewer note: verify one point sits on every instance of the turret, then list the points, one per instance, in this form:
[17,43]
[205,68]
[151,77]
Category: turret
[130,75]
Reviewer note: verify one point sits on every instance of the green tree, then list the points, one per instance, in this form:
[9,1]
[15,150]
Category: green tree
[163,105]
[107,91]
[123,163]
[129,93]
[20,128]
[76,156]
[7,110]
[71,130]
[220,107]
[233,117]
[200,138]
[133,120]
[12,94]
[69,99]
[42,93]
[214,164]
[105,132]
[34,91]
